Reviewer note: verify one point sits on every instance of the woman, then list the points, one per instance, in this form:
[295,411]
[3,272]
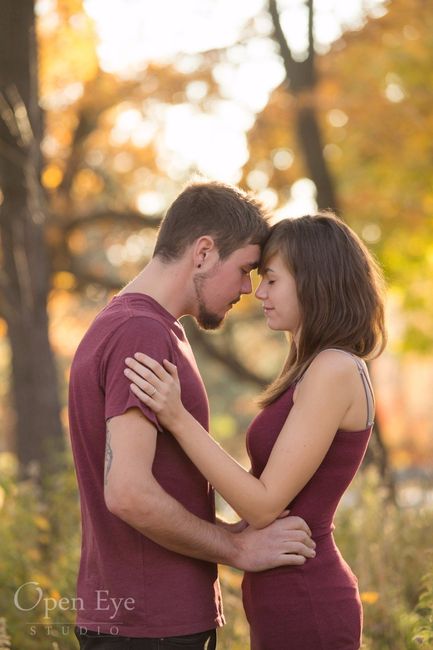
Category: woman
[319,284]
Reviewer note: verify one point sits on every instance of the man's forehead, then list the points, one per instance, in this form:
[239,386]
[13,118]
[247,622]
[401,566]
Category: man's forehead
[248,255]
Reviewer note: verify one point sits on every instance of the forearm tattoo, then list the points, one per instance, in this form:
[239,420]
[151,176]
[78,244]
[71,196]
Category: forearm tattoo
[108,454]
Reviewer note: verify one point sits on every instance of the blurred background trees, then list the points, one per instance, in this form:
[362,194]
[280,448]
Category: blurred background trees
[91,156]
[25,276]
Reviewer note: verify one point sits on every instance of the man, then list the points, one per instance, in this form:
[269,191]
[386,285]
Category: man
[148,575]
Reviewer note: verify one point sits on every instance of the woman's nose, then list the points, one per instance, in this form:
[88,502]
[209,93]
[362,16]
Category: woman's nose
[260,292]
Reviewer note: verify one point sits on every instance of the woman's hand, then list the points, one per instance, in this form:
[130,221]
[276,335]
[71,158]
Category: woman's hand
[156,386]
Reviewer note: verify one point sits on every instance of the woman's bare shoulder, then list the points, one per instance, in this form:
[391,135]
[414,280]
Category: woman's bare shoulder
[333,365]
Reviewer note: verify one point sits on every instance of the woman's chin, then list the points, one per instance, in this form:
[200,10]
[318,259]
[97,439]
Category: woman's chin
[271,325]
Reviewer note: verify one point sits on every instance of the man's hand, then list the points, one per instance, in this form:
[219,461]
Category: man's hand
[287,541]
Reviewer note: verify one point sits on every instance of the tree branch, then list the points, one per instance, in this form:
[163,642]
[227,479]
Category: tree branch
[84,278]
[300,74]
[134,218]
[231,362]
[286,54]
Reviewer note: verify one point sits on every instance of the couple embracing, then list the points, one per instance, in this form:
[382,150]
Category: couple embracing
[147,466]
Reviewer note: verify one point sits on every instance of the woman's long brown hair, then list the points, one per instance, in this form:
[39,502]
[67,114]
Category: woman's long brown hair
[340,292]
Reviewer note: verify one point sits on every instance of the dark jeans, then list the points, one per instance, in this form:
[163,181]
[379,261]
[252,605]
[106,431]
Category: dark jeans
[94,641]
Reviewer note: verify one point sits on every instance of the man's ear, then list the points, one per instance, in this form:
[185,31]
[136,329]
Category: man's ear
[204,251]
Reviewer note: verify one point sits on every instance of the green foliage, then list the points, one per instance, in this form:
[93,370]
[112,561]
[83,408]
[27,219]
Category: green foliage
[4,637]
[423,626]
[387,547]
[234,635]
[40,542]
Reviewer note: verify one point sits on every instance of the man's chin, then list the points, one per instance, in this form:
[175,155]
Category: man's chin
[207,321]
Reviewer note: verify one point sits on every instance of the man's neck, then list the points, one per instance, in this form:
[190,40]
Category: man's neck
[168,284]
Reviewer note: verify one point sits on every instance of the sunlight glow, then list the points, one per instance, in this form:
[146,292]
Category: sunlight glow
[138,31]
[132,34]
[150,203]
[282,159]
[337,118]
[394,90]
[371,233]
[63,97]
[209,142]
[302,200]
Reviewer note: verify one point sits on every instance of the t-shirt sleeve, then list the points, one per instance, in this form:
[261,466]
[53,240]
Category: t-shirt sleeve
[138,334]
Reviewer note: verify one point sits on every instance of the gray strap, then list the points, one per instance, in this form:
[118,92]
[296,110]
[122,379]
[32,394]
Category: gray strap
[366,384]
[368,391]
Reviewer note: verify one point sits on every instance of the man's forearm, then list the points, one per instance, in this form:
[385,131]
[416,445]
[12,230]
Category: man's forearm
[165,521]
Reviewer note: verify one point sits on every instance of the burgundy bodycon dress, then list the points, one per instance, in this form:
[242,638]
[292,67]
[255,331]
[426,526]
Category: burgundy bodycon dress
[315,606]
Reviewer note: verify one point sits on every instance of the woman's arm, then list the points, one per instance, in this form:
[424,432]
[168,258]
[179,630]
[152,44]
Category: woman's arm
[323,397]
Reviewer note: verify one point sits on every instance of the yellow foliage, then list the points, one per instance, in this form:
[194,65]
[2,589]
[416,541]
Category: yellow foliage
[8,464]
[369,597]
[223,426]
[41,522]
[52,176]
[64,280]
[77,242]
[4,637]
[86,182]
[33,554]
[231,578]
[67,47]
[42,580]
[401,458]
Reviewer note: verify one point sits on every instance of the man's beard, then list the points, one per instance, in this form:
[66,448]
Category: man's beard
[206,319]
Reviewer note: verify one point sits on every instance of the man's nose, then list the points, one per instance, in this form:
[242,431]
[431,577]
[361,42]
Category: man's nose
[247,286]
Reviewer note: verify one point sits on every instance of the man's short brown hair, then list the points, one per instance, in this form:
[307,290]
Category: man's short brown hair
[233,218]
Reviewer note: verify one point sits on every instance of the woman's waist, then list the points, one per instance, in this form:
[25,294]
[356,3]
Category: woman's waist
[328,558]
[321,531]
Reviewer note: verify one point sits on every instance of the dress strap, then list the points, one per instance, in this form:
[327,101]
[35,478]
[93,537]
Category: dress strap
[366,382]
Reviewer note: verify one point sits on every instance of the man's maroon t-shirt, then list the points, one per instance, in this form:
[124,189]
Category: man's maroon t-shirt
[127,584]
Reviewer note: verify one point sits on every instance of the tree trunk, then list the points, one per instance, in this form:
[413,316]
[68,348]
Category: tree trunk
[301,81]
[310,139]
[24,281]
